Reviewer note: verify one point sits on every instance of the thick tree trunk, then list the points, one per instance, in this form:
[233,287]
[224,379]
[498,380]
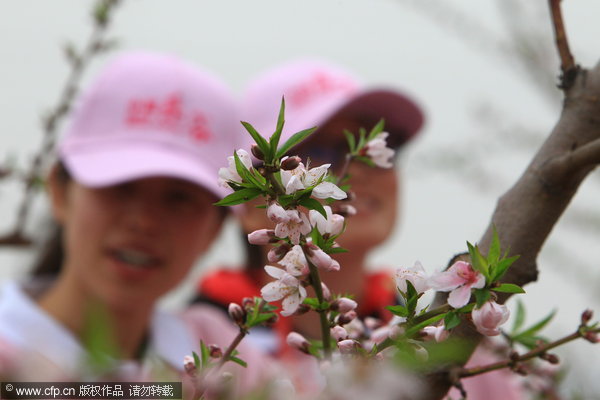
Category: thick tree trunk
[527,212]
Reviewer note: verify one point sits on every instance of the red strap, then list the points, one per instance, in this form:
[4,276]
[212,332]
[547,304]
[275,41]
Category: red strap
[228,286]
[380,291]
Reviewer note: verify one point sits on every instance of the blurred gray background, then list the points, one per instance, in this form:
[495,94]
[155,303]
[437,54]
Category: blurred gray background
[484,71]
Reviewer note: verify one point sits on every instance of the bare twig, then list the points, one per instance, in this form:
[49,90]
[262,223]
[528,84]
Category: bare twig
[567,63]
[537,352]
[95,44]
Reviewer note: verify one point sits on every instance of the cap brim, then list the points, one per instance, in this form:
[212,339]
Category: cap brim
[403,117]
[98,167]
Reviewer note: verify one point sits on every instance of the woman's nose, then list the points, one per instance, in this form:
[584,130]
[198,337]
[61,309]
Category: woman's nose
[143,215]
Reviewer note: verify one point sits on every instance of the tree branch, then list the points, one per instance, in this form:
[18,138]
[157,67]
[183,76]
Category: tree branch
[567,63]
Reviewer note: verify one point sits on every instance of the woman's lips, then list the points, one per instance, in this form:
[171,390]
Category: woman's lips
[133,263]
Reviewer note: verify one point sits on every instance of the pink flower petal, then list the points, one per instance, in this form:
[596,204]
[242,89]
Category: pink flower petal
[459,297]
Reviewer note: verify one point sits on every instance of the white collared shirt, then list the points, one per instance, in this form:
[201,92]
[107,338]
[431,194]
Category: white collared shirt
[30,330]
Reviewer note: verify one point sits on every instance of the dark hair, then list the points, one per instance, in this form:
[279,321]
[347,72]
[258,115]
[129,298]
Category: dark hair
[51,257]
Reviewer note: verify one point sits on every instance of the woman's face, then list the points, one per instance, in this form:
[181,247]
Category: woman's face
[130,243]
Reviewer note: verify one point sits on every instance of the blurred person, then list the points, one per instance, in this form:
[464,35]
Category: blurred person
[324,95]
[132,191]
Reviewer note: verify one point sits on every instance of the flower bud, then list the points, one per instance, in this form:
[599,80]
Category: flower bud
[290,163]
[373,323]
[343,305]
[277,253]
[302,309]
[346,210]
[346,318]
[237,313]
[347,346]
[257,152]
[586,316]
[339,333]
[189,365]
[248,303]
[591,337]
[551,358]
[521,370]
[215,351]
[514,356]
[261,237]
[326,292]
[296,340]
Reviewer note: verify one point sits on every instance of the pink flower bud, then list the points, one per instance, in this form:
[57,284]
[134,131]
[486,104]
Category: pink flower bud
[277,253]
[551,358]
[347,346]
[373,323]
[237,313]
[248,303]
[189,365]
[215,351]
[343,305]
[586,316]
[489,317]
[297,341]
[346,318]
[290,163]
[339,333]
[439,333]
[346,210]
[261,237]
[326,292]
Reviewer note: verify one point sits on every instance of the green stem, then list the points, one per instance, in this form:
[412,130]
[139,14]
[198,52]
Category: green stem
[432,313]
[277,186]
[315,281]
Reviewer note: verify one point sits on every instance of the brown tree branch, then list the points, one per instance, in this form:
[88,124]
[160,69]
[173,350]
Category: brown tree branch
[567,63]
[527,212]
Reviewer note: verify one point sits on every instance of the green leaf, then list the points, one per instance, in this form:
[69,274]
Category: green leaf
[351,140]
[313,204]
[239,197]
[238,361]
[519,317]
[412,297]
[481,296]
[295,139]
[259,319]
[478,262]
[494,253]
[377,129]
[362,140]
[502,266]
[536,327]
[337,250]
[245,174]
[262,143]
[274,140]
[365,160]
[197,361]
[398,310]
[508,288]
[204,353]
[451,320]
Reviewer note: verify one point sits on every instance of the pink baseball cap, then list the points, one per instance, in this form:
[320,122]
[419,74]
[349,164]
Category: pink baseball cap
[316,91]
[150,114]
